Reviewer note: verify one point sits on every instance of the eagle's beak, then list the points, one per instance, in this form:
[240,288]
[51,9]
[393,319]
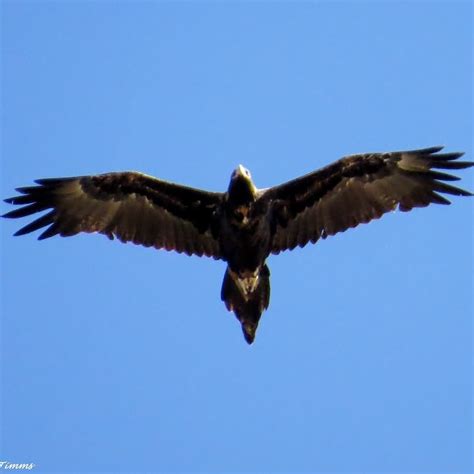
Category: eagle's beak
[241,172]
[241,183]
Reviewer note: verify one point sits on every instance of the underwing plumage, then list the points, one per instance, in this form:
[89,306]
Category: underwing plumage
[243,225]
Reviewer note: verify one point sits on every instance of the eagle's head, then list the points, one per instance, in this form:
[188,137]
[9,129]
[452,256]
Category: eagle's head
[241,188]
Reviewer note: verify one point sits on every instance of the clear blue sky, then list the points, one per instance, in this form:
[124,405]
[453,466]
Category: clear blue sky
[121,358]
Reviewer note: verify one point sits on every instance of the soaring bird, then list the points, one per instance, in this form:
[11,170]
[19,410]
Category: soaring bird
[243,225]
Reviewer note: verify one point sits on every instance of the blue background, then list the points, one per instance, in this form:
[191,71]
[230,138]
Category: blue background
[120,358]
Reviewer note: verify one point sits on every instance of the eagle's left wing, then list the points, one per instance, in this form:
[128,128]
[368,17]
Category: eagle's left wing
[131,206]
[357,189]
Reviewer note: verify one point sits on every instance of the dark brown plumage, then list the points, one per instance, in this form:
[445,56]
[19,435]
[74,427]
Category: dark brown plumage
[245,224]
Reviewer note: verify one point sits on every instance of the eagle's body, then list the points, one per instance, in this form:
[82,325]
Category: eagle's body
[244,225]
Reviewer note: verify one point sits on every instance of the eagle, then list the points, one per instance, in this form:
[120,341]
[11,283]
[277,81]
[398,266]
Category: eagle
[243,225]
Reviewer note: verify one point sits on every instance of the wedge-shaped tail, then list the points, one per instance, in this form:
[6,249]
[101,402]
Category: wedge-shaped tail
[247,297]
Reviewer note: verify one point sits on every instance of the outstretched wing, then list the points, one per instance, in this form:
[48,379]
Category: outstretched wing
[357,189]
[130,206]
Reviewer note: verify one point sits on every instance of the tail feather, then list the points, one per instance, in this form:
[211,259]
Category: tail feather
[247,299]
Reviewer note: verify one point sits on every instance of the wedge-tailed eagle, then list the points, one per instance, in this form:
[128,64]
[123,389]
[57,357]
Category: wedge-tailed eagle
[244,225]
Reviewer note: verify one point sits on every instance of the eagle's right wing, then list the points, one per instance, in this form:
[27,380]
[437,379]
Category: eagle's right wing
[131,206]
[357,189]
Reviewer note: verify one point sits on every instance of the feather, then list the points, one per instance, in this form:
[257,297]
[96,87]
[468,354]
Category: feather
[359,188]
[130,205]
